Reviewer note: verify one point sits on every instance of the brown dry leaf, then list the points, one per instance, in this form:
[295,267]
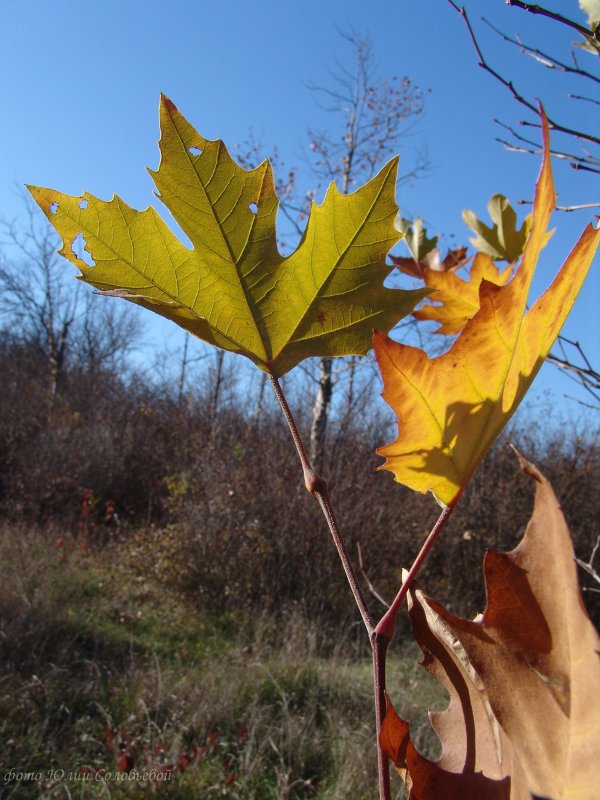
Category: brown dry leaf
[453,260]
[524,679]
[475,760]
[426,780]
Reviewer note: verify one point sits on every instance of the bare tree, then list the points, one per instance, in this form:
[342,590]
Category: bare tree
[103,335]
[373,115]
[41,305]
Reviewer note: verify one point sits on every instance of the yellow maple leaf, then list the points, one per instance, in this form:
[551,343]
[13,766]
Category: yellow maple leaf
[451,408]
[233,288]
[455,300]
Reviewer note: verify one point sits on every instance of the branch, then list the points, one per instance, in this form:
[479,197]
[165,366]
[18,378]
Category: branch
[387,623]
[372,589]
[584,168]
[546,59]
[580,207]
[538,150]
[569,131]
[510,86]
[585,99]
[591,36]
[588,566]
[585,375]
[575,163]
[317,486]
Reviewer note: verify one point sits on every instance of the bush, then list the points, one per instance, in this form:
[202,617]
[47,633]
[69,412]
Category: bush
[217,490]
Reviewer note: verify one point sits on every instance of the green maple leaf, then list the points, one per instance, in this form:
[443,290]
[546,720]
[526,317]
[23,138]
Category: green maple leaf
[503,241]
[592,9]
[416,239]
[233,288]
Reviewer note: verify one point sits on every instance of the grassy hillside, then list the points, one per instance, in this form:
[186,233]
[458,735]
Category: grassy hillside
[105,671]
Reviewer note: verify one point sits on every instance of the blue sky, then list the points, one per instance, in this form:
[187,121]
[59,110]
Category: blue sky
[82,80]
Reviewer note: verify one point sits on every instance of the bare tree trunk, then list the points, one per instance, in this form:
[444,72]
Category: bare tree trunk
[260,401]
[350,389]
[320,415]
[182,373]
[57,347]
[214,401]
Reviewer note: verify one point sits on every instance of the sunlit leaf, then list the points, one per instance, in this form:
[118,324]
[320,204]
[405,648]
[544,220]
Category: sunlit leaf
[233,288]
[415,237]
[503,240]
[451,408]
[424,251]
[455,300]
[592,9]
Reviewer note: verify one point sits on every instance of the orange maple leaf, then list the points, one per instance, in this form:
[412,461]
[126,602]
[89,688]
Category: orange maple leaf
[455,300]
[452,408]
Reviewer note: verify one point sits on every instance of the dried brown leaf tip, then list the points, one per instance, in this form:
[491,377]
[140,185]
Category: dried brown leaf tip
[524,679]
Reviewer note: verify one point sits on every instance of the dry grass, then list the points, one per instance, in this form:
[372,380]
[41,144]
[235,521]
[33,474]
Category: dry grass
[102,669]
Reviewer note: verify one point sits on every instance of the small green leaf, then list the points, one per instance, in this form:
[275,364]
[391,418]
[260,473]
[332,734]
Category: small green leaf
[503,241]
[415,238]
[592,9]
[233,288]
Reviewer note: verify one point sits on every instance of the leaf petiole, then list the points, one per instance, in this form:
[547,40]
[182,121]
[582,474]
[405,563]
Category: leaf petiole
[387,623]
[317,486]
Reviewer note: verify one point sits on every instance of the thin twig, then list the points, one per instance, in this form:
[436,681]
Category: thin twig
[372,589]
[534,8]
[584,372]
[586,376]
[580,207]
[583,168]
[383,635]
[548,60]
[590,570]
[588,159]
[586,99]
[589,565]
[379,646]
[387,623]
[576,162]
[510,86]
[322,495]
[317,485]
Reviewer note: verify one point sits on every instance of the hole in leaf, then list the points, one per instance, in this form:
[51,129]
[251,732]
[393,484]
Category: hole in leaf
[253,208]
[195,151]
[78,246]
[53,207]
[84,204]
